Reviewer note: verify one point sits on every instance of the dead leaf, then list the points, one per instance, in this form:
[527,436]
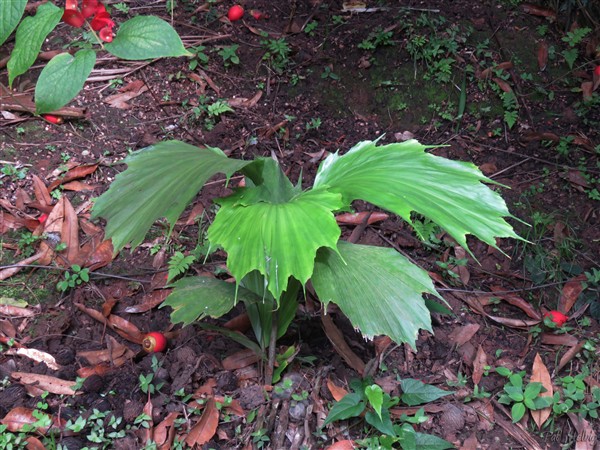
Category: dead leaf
[587,89]
[540,374]
[210,82]
[126,93]
[196,212]
[342,445]
[15,311]
[570,292]
[471,443]
[240,323]
[534,10]
[20,416]
[558,339]
[479,364]
[336,391]
[42,194]
[45,383]
[206,427]
[502,84]
[242,358]
[149,301]
[164,432]
[460,270]
[569,355]
[122,327]
[145,434]
[336,337]
[79,186]
[517,301]
[241,102]
[34,443]
[114,351]
[35,355]
[542,55]
[359,217]
[461,335]
[586,435]
[73,174]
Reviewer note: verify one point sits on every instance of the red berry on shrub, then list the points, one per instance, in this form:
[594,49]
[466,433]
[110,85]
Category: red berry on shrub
[101,20]
[89,7]
[106,34]
[557,317]
[235,13]
[73,17]
[154,342]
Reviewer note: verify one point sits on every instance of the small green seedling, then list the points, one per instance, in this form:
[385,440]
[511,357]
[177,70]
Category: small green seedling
[522,397]
[73,277]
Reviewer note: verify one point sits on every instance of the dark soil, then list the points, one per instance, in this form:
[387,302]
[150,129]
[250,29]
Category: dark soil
[304,113]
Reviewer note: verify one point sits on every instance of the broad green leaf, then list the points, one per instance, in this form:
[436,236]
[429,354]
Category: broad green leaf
[235,336]
[377,288]
[415,392]
[383,424]
[194,298]
[514,392]
[402,178]
[349,406]
[278,239]
[146,37]
[10,14]
[406,435]
[160,182]
[62,79]
[517,412]
[533,389]
[374,394]
[29,39]
[425,441]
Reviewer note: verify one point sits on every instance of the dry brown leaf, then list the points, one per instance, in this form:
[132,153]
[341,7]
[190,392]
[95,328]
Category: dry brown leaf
[471,443]
[100,256]
[210,82]
[540,374]
[587,89]
[461,271]
[558,339]
[381,344]
[164,432]
[122,327]
[240,323]
[206,427]
[195,213]
[242,358]
[15,311]
[150,301]
[479,364]
[206,390]
[336,337]
[336,391]
[502,84]
[42,194]
[538,11]
[570,292]
[241,102]
[569,355]
[73,174]
[8,329]
[79,186]
[45,383]
[542,55]
[514,323]
[586,435]
[517,301]
[126,93]
[35,355]
[34,443]
[359,217]
[145,434]
[461,335]
[17,417]
[233,408]
[114,351]
[342,445]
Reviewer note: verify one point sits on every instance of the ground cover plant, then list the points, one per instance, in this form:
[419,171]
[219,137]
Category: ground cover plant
[314,113]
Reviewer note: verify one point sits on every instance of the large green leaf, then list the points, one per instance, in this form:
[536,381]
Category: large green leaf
[30,37]
[62,79]
[279,238]
[146,37]
[403,178]
[377,288]
[10,13]
[194,298]
[160,182]
[415,392]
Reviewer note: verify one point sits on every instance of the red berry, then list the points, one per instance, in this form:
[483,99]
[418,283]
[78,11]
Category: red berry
[235,13]
[89,7]
[43,218]
[557,317]
[53,119]
[597,71]
[154,342]
[73,17]
[106,34]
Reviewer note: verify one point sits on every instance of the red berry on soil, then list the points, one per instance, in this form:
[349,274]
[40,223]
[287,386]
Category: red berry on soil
[235,13]
[43,218]
[597,71]
[53,119]
[154,342]
[557,317]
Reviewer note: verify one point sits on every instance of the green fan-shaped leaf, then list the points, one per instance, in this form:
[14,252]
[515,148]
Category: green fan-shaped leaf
[279,239]
[62,79]
[146,37]
[402,178]
[160,182]
[194,298]
[29,38]
[10,14]
[377,288]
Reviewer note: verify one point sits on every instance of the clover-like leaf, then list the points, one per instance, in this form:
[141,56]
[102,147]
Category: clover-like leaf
[403,178]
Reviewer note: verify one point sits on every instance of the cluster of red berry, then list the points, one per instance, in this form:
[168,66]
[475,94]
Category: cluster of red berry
[101,21]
